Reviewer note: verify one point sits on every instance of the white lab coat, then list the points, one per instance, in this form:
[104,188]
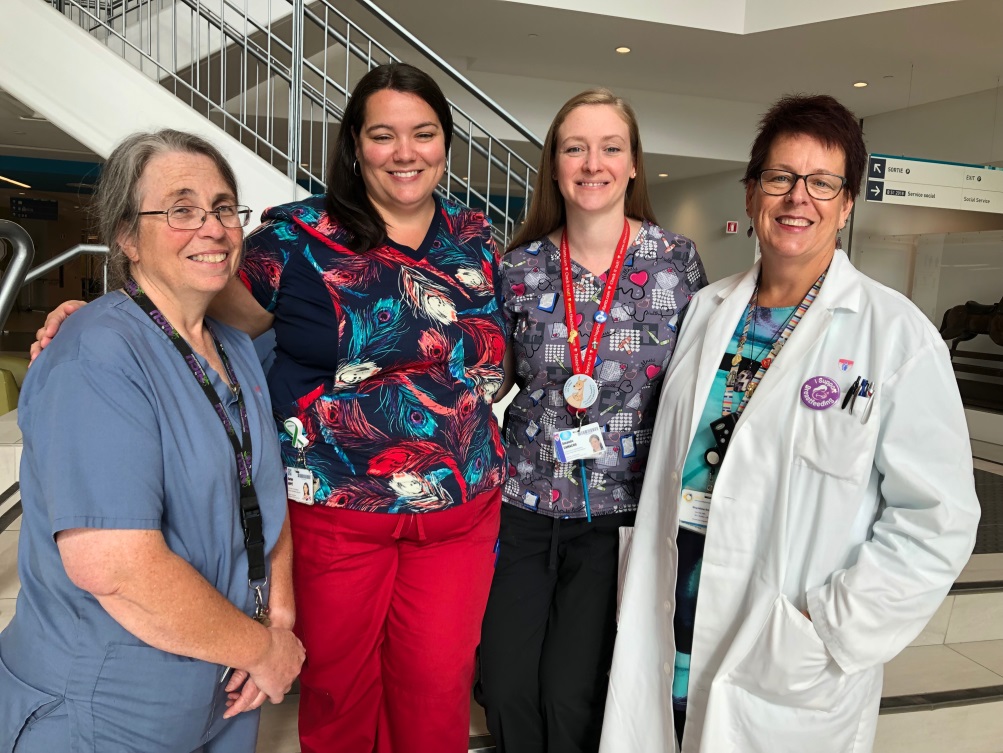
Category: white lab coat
[864,519]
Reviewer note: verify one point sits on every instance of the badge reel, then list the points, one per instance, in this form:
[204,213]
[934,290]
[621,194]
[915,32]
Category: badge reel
[722,429]
[299,479]
[581,391]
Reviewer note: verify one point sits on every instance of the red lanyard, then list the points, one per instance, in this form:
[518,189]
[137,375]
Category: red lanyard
[584,364]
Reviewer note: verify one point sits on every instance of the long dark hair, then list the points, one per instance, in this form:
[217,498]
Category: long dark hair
[347,199]
[546,210]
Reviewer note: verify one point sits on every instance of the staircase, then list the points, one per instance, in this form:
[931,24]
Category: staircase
[275,75]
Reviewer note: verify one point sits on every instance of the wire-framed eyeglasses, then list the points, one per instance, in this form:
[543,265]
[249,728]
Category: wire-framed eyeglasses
[821,186]
[192,218]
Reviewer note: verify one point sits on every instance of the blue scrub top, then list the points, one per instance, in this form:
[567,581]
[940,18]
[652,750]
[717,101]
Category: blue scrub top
[118,434]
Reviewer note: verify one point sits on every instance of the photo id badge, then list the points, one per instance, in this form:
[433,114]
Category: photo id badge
[579,444]
[299,485]
[694,511]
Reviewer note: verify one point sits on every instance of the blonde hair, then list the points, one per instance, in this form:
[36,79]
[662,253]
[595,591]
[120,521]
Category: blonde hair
[546,210]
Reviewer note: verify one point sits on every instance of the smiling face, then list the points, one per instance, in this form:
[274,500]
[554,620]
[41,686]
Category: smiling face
[797,229]
[184,265]
[401,151]
[593,164]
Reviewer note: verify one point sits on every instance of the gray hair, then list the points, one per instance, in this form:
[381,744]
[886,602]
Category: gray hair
[116,201]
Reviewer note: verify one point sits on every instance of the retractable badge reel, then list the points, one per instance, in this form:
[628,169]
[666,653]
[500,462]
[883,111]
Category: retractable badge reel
[299,479]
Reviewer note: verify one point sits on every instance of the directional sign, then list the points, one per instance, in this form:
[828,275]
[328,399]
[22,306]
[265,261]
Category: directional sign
[928,183]
[33,209]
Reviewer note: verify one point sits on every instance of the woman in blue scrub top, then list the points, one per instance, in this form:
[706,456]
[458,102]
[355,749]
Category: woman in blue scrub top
[155,564]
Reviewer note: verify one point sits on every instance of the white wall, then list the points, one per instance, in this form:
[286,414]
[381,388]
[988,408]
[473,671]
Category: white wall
[699,208]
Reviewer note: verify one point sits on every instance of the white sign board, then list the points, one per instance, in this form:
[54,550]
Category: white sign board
[927,183]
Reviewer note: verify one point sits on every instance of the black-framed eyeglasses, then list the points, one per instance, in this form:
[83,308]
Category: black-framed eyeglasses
[192,218]
[821,186]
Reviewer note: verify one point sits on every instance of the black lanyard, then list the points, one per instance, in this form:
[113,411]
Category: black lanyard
[250,512]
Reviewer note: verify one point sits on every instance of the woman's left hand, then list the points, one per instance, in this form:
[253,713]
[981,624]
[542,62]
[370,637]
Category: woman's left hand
[240,699]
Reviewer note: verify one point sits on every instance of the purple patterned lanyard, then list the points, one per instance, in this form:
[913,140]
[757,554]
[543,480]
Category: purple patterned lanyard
[250,512]
[723,428]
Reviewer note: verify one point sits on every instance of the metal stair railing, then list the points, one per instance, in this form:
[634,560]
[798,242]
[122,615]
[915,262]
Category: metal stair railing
[17,269]
[276,75]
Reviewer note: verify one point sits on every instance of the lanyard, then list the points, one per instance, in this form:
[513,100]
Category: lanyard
[584,364]
[250,512]
[727,404]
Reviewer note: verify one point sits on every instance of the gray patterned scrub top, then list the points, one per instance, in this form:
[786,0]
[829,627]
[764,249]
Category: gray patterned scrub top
[661,273]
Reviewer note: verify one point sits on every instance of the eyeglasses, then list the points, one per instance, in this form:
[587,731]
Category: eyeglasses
[192,218]
[821,186]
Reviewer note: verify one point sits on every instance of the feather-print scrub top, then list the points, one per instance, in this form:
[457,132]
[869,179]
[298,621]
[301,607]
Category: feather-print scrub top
[389,358]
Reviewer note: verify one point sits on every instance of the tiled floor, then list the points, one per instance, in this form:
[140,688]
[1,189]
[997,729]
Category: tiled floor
[926,669]
[278,726]
[940,730]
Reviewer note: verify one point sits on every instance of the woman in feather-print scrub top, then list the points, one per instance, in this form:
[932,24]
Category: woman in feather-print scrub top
[389,348]
[388,358]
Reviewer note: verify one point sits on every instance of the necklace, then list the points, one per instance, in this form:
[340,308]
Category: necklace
[776,332]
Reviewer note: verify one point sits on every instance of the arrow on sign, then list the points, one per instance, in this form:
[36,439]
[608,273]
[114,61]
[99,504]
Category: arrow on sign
[876,190]
[876,168]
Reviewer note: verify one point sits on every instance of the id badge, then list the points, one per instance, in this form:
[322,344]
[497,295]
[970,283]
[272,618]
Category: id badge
[694,510]
[299,485]
[578,444]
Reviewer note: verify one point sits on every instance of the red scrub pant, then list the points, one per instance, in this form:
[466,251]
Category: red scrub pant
[389,610]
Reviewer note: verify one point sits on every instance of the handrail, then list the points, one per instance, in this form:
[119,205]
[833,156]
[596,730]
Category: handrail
[68,255]
[24,252]
[454,74]
[14,511]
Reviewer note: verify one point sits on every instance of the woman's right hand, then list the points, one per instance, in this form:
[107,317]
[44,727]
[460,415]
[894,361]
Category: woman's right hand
[280,665]
[52,324]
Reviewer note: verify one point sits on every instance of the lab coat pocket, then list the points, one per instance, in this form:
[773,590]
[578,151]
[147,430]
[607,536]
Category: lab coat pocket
[836,442]
[22,705]
[159,702]
[788,663]
[626,536]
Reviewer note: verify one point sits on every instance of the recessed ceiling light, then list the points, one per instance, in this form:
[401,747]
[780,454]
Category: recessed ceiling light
[533,36]
[623,50]
[859,84]
[465,178]
[33,119]
[14,182]
[888,75]
[663,175]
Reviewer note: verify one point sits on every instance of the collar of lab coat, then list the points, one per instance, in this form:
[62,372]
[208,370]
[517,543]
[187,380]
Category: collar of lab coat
[841,290]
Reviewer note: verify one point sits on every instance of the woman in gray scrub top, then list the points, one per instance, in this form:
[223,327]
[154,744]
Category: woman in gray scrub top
[155,602]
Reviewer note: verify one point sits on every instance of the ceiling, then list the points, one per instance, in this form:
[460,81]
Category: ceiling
[908,57]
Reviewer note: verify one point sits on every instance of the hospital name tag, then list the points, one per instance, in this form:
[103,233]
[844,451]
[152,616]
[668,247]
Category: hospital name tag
[694,510]
[578,444]
[299,485]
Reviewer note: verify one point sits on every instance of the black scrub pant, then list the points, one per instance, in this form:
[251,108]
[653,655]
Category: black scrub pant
[547,639]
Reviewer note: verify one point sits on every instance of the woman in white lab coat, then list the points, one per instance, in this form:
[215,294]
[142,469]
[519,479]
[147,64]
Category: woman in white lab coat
[810,497]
